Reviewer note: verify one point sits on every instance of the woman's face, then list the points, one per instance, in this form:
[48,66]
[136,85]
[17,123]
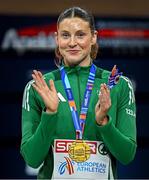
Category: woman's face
[74,39]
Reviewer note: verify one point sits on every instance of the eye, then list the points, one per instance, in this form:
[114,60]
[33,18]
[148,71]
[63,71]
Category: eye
[65,35]
[80,34]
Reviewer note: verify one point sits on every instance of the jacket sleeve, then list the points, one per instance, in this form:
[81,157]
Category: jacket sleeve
[120,139]
[38,128]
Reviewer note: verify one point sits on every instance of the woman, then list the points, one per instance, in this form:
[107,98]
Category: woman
[67,125]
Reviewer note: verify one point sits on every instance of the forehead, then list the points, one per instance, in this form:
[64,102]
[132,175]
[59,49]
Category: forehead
[75,24]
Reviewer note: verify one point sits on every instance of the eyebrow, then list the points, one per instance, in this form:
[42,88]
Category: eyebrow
[81,30]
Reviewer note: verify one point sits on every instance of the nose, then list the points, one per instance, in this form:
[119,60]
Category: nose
[72,41]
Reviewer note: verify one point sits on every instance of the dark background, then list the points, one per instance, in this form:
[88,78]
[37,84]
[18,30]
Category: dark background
[15,72]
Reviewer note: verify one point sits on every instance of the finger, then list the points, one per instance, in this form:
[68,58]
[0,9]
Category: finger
[103,86]
[106,88]
[102,89]
[36,88]
[38,77]
[97,106]
[42,79]
[104,93]
[40,74]
[36,81]
[98,103]
[52,86]
[37,74]
[103,96]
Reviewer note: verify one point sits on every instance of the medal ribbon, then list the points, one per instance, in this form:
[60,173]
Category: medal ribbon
[79,122]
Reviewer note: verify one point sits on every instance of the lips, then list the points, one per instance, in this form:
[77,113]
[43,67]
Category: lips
[73,51]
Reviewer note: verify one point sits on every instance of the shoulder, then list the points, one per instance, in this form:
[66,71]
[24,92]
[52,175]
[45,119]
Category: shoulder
[102,73]
[28,85]
[54,75]
[27,95]
[125,89]
[126,82]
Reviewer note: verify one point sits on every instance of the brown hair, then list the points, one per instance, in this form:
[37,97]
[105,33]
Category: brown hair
[86,16]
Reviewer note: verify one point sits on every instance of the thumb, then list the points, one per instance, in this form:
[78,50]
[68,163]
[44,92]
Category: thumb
[52,86]
[97,104]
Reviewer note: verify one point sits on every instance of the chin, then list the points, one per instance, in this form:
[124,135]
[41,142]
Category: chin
[74,61]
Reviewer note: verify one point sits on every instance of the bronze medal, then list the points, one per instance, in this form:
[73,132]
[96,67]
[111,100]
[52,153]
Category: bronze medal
[79,151]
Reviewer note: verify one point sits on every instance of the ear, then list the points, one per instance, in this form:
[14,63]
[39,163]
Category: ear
[56,37]
[94,37]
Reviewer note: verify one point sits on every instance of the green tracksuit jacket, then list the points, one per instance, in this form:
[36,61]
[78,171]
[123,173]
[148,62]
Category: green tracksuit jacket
[39,129]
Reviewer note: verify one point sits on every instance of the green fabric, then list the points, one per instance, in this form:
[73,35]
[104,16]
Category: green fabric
[39,129]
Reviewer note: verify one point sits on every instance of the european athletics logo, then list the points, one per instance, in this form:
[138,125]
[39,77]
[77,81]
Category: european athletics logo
[67,164]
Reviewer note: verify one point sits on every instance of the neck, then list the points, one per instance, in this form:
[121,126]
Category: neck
[82,63]
[85,63]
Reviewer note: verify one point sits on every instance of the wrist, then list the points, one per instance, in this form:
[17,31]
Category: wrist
[103,120]
[49,111]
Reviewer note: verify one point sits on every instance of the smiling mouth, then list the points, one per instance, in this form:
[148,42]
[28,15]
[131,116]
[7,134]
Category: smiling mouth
[73,51]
